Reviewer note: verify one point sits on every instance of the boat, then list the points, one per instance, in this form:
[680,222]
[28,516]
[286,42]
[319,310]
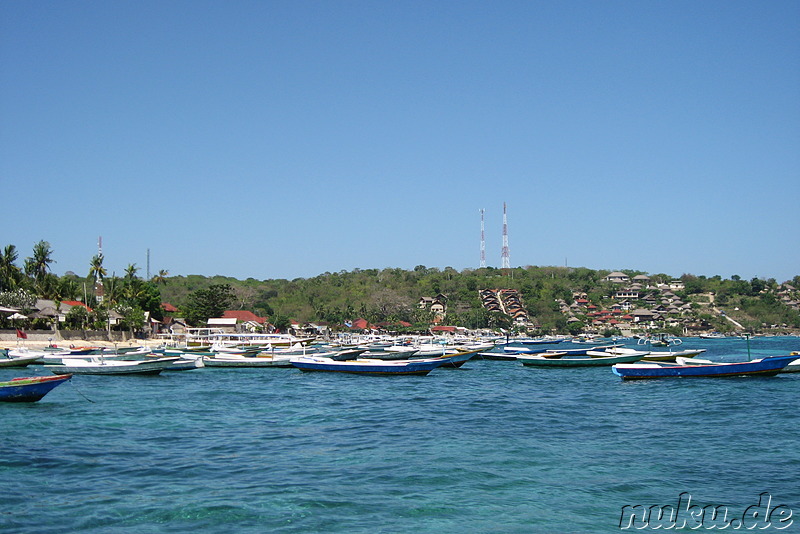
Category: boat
[712,335]
[456,360]
[31,388]
[500,356]
[536,341]
[235,360]
[101,366]
[186,364]
[539,360]
[671,356]
[19,357]
[581,351]
[793,367]
[762,367]
[368,366]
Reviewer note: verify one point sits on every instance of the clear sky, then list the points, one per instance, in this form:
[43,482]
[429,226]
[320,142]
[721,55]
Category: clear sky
[284,139]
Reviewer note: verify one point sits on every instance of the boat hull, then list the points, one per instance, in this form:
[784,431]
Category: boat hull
[365,367]
[581,362]
[112,367]
[30,389]
[763,367]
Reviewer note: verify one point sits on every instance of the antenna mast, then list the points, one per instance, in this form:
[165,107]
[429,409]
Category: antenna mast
[483,242]
[99,292]
[505,254]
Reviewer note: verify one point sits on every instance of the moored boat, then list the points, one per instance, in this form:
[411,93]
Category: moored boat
[671,356]
[794,366]
[581,361]
[762,367]
[29,389]
[368,366]
[19,357]
[235,360]
[101,366]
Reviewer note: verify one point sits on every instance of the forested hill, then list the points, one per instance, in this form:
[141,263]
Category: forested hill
[548,294]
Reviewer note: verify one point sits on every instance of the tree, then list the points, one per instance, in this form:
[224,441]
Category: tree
[130,272]
[96,269]
[77,317]
[10,274]
[38,265]
[206,303]
[161,277]
[281,322]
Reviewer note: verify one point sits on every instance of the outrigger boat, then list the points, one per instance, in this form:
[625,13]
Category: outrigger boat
[704,369]
[557,360]
[102,366]
[368,367]
[29,389]
[19,357]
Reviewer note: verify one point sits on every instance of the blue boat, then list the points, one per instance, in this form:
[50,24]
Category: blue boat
[763,367]
[368,367]
[29,389]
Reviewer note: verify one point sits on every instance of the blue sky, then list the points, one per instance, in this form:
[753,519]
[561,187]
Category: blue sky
[284,139]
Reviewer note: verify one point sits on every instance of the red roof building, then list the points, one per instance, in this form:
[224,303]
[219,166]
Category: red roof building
[244,316]
[169,308]
[75,303]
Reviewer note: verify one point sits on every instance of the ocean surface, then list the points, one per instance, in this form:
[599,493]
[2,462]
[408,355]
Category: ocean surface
[492,447]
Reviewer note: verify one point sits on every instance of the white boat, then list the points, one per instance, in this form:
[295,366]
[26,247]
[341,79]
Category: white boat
[712,335]
[617,351]
[102,366]
[673,354]
[793,367]
[692,361]
[19,357]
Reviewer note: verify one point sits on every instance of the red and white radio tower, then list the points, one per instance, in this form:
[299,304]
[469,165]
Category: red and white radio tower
[505,254]
[483,242]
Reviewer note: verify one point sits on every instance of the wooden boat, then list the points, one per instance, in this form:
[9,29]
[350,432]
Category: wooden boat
[536,341]
[368,367]
[761,367]
[19,358]
[581,351]
[456,360]
[712,335]
[580,361]
[501,356]
[101,366]
[793,367]
[29,389]
[671,356]
[234,360]
[187,364]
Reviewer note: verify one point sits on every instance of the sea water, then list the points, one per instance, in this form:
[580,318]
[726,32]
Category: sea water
[492,447]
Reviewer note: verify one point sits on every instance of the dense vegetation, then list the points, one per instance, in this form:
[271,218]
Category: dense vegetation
[389,295]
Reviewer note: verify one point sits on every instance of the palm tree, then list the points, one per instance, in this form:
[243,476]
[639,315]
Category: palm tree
[10,274]
[96,269]
[161,277]
[38,265]
[130,271]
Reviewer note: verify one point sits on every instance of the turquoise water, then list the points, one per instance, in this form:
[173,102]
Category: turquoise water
[492,447]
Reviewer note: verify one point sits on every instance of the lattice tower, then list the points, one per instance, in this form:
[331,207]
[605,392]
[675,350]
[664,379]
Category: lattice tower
[505,255]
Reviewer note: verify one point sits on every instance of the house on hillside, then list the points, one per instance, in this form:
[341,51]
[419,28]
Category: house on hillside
[246,321]
[617,278]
